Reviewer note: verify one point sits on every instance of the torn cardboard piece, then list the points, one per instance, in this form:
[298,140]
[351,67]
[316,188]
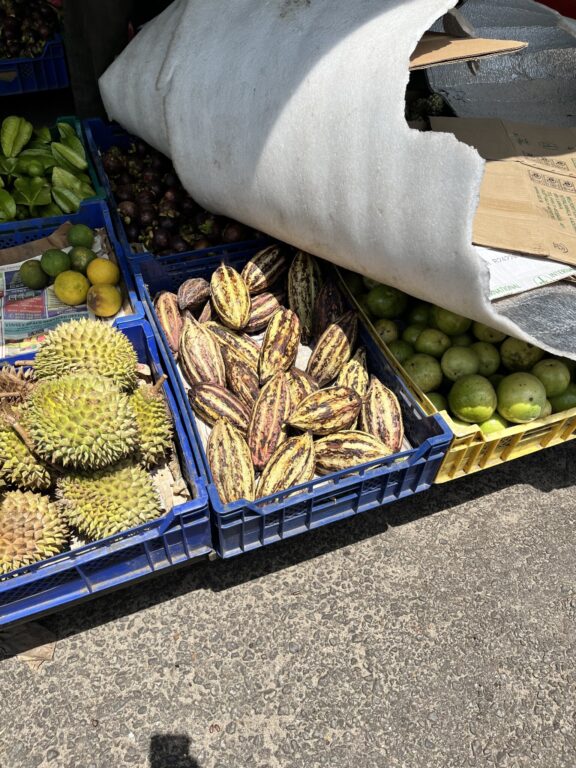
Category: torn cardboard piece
[547,148]
[528,193]
[435,49]
[525,210]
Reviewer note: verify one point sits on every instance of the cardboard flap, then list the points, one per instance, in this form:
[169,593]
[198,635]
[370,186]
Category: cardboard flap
[435,49]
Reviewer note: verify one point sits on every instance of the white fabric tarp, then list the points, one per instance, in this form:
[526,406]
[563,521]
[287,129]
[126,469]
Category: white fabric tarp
[288,115]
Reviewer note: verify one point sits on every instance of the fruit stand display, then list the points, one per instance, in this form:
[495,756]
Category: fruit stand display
[503,398]
[99,484]
[293,387]
[31,48]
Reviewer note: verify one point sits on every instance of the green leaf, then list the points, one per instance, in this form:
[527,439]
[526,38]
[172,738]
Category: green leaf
[31,192]
[7,206]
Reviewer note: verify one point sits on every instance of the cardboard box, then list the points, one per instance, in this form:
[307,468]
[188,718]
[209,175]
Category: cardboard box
[528,193]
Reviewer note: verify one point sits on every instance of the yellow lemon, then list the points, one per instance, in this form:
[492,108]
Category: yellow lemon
[104,300]
[102,272]
[71,287]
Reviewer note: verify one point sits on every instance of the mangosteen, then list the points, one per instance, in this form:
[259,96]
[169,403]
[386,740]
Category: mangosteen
[170,179]
[178,244]
[141,148]
[135,167]
[202,243]
[124,193]
[167,223]
[234,232]
[144,197]
[147,216]
[132,233]
[150,177]
[124,179]
[160,240]
[128,211]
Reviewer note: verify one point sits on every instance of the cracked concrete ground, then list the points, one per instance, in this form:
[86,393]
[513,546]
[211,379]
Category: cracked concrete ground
[439,632]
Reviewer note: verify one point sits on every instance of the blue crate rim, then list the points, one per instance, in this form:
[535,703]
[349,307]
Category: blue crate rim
[340,479]
[43,55]
[138,533]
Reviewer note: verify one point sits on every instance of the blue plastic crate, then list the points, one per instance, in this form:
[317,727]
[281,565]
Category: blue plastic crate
[179,536]
[243,525]
[93,214]
[99,137]
[46,72]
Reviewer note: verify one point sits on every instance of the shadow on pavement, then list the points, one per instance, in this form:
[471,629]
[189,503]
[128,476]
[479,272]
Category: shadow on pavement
[171,750]
[545,472]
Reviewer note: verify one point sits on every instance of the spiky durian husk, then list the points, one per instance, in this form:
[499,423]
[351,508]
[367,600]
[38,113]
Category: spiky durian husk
[31,529]
[109,501]
[18,466]
[80,421]
[87,346]
[15,383]
[154,424]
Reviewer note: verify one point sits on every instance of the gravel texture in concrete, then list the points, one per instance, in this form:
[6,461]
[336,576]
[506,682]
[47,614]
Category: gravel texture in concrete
[439,632]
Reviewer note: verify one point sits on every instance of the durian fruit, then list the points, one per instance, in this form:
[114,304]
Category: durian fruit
[109,501]
[18,465]
[31,529]
[80,421]
[15,383]
[154,423]
[87,346]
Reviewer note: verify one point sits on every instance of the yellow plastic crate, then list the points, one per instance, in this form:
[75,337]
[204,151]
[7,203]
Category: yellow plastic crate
[471,450]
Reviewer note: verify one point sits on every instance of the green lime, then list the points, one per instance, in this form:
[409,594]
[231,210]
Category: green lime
[459,361]
[387,330]
[472,399]
[432,342]
[488,356]
[425,371]
[494,424]
[566,400]
[401,350]
[385,301]
[54,261]
[80,234]
[438,401]
[33,276]
[370,283]
[363,303]
[449,322]
[485,333]
[521,398]
[80,257]
[420,314]
[354,282]
[553,374]
[462,340]
[547,410]
[411,333]
[519,355]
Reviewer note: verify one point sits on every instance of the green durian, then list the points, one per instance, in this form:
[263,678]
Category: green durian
[87,346]
[18,466]
[109,501]
[80,421]
[31,529]
[154,423]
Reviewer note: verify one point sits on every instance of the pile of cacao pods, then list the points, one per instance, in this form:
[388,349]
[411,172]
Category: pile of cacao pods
[237,338]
